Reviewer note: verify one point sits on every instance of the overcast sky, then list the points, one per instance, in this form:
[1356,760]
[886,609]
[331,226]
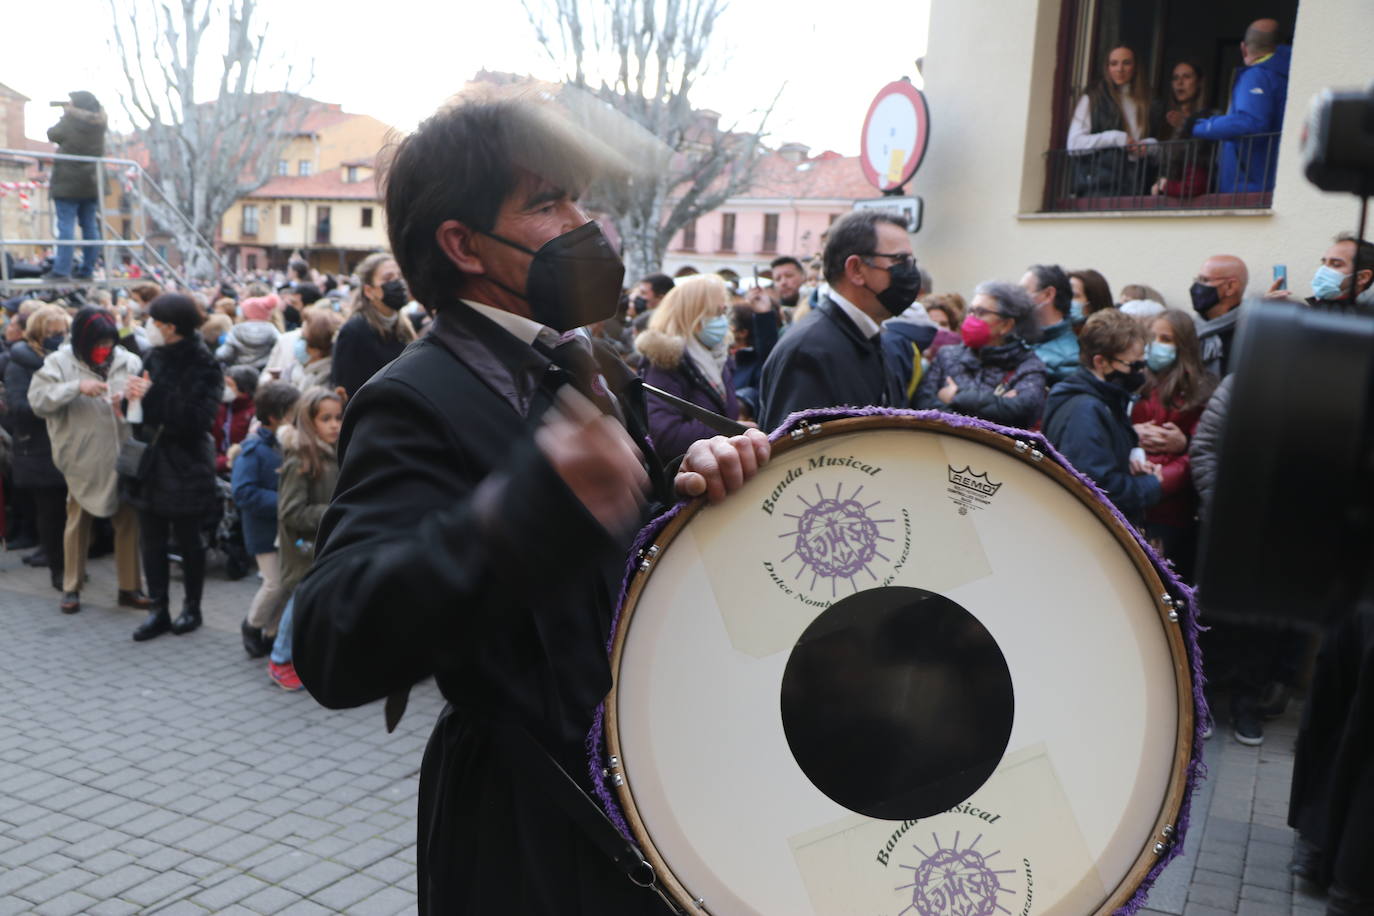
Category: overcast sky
[398,60]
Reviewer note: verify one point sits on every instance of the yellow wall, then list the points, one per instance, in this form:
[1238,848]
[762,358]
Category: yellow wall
[346,230]
[359,137]
[990,120]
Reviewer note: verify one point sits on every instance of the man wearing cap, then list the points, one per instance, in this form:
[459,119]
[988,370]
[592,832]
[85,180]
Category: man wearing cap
[74,188]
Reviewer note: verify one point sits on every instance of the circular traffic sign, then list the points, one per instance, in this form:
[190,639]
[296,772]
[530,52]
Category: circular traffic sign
[896,131]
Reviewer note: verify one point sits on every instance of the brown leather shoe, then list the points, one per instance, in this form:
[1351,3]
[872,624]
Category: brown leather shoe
[71,603]
[134,599]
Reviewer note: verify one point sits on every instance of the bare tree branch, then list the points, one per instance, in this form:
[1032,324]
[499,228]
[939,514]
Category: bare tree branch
[205,154]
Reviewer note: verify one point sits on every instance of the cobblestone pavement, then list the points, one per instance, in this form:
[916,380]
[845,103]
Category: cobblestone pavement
[174,777]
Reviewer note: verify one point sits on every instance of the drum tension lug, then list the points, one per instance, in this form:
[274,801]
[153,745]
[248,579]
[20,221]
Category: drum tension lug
[806,429]
[1171,605]
[609,773]
[1024,448]
[1164,845]
[647,557]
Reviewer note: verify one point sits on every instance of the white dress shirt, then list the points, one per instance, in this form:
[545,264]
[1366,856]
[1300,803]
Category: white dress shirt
[867,326]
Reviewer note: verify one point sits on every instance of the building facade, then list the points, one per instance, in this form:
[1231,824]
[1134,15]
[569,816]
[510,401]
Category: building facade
[992,206]
[787,212]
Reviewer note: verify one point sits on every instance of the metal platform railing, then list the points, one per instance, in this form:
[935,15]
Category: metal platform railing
[28,226]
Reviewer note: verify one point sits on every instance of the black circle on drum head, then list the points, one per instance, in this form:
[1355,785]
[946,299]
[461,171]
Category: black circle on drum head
[897,703]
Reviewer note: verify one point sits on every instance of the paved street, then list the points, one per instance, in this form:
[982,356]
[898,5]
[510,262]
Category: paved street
[174,777]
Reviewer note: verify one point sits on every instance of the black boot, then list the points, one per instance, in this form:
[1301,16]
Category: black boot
[158,622]
[189,619]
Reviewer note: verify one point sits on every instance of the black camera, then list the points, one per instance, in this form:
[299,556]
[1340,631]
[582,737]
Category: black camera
[1290,533]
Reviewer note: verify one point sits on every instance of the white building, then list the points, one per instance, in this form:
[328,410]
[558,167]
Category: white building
[1001,89]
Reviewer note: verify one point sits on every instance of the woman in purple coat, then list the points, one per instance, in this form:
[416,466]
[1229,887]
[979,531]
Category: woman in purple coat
[686,352]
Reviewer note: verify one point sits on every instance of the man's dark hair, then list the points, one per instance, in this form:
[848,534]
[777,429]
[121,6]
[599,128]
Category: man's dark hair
[181,312]
[1053,276]
[462,163]
[309,293]
[855,233]
[300,268]
[661,284]
[275,400]
[245,379]
[786,259]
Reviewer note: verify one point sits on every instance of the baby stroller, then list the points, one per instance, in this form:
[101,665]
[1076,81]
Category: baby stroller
[225,534]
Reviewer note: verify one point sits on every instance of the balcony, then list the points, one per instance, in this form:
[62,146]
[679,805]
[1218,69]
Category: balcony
[1172,175]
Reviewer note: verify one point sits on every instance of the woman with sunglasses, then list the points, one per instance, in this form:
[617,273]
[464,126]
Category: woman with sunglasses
[1088,418]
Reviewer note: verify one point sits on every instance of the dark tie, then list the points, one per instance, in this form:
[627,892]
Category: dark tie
[572,354]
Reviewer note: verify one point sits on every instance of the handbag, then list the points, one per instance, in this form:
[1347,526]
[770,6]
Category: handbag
[135,459]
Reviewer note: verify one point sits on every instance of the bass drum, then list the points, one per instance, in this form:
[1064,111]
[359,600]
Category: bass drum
[910,668]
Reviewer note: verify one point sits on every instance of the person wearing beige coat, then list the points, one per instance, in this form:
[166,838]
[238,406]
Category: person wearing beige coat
[75,392]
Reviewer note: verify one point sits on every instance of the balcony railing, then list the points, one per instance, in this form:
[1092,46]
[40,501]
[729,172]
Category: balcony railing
[1171,175]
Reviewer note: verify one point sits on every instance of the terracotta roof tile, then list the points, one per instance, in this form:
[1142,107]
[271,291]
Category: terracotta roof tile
[324,186]
[826,176]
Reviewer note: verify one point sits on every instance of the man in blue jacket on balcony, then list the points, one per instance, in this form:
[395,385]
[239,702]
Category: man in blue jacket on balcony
[1250,129]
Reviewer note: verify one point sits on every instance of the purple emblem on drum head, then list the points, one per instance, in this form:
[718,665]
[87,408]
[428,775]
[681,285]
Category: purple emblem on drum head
[955,882]
[835,537]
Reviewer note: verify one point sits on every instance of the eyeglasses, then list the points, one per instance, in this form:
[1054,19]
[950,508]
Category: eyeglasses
[981,312]
[1137,366]
[900,258]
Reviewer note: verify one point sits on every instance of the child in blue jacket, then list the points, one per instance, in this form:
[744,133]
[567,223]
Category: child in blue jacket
[255,494]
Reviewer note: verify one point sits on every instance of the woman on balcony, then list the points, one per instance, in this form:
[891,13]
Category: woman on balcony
[1108,137]
[1185,163]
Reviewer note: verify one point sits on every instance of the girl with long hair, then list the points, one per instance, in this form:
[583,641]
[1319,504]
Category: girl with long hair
[308,474]
[1110,129]
[377,332]
[1177,388]
[1187,164]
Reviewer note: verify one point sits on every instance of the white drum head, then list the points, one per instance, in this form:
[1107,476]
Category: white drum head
[1089,755]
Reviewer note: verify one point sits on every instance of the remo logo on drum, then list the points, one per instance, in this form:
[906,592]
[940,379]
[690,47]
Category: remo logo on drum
[836,540]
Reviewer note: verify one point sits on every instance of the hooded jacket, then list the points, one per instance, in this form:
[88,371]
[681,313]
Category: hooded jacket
[86,435]
[1249,163]
[249,344]
[1085,418]
[301,502]
[78,133]
[667,366]
[32,460]
[255,489]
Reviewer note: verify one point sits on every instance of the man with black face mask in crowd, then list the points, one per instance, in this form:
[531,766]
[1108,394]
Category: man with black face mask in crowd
[834,356]
[1217,292]
[490,482]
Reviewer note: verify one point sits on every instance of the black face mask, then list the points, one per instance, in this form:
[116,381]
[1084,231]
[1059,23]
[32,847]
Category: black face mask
[1205,298]
[394,294]
[904,288]
[574,279]
[639,302]
[1128,381]
[52,343]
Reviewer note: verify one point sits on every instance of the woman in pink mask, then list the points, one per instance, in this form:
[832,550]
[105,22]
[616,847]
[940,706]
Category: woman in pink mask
[994,374]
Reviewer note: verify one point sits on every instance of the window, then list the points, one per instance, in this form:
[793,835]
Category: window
[322,225]
[250,220]
[727,232]
[367,217]
[1176,172]
[126,228]
[689,236]
[285,214]
[351,174]
[283,167]
[251,262]
[303,167]
[770,232]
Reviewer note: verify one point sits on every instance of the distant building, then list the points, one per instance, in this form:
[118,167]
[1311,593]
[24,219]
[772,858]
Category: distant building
[787,211]
[25,211]
[322,200]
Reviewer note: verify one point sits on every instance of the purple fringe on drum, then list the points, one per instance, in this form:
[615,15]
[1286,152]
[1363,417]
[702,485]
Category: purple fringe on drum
[1181,593]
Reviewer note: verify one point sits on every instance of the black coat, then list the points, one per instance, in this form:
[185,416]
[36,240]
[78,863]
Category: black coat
[359,351]
[183,400]
[78,133]
[1087,419]
[825,361]
[32,460]
[451,548]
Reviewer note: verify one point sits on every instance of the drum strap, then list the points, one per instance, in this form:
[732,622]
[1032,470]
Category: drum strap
[539,767]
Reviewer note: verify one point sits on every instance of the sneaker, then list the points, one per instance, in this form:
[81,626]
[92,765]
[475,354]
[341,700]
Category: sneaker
[1248,729]
[284,676]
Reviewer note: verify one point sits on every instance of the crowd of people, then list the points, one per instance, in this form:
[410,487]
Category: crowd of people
[161,423]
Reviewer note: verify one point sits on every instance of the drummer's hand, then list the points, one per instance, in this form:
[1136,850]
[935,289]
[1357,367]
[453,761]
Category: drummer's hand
[596,459]
[719,466]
